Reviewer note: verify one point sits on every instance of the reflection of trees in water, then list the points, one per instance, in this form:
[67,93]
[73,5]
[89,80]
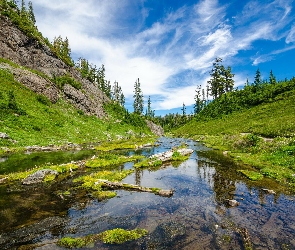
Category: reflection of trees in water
[223,186]
[221,174]
[138,174]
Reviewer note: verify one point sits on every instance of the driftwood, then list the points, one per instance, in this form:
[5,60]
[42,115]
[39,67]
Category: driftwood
[120,185]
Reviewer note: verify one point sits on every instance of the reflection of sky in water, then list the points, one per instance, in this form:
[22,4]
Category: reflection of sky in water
[199,202]
[199,206]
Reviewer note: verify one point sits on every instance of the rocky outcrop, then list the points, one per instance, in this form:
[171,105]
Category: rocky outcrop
[34,82]
[27,52]
[156,129]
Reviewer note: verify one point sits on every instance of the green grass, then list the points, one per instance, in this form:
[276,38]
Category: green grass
[241,134]
[269,120]
[31,120]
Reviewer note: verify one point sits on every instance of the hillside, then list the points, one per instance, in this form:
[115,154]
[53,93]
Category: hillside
[44,100]
[261,135]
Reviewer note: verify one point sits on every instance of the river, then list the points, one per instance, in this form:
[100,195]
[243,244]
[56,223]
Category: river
[197,216]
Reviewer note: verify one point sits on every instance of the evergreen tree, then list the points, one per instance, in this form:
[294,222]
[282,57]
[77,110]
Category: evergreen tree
[62,50]
[272,78]
[183,110]
[198,100]
[257,79]
[31,13]
[138,98]
[149,111]
[221,79]
[229,81]
[108,89]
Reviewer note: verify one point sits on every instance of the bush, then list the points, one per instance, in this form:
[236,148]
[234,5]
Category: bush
[43,99]
[61,81]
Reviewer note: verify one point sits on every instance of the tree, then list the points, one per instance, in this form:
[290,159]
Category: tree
[221,79]
[149,111]
[198,101]
[257,79]
[183,110]
[229,81]
[138,98]
[62,50]
[272,78]
[31,13]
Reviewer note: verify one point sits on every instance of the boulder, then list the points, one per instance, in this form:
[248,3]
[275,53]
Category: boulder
[38,176]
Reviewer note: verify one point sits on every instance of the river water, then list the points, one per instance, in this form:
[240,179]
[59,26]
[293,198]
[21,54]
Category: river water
[197,216]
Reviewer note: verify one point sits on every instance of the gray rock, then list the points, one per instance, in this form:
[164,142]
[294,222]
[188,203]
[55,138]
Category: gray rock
[4,136]
[38,176]
[233,203]
[156,129]
[25,51]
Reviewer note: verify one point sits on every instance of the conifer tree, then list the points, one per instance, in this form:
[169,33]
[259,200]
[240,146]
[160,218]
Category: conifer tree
[183,110]
[257,79]
[149,111]
[198,100]
[272,78]
[138,98]
[31,13]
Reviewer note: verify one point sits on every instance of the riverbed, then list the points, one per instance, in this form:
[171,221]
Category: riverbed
[197,216]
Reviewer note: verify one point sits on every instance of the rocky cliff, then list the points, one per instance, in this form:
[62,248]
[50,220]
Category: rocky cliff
[30,54]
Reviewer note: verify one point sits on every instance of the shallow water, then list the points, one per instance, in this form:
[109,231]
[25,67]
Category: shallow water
[197,216]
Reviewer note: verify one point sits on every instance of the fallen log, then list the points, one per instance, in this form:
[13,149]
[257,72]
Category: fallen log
[120,185]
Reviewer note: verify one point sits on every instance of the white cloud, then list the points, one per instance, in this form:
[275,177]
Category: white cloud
[291,36]
[113,33]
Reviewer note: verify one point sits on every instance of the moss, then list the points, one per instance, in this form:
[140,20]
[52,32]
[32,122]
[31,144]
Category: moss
[115,236]
[176,156]
[132,143]
[252,175]
[119,235]
[110,160]
[103,195]
[49,177]
[69,242]
[156,190]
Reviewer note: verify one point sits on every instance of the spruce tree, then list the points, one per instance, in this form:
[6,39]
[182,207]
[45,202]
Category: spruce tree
[31,13]
[272,78]
[138,98]
[257,79]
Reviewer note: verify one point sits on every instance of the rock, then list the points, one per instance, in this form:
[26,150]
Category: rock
[156,129]
[2,180]
[4,136]
[233,203]
[167,156]
[269,191]
[30,53]
[166,193]
[38,176]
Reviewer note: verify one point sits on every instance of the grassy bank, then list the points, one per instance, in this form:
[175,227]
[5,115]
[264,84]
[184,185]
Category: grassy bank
[262,136]
[31,119]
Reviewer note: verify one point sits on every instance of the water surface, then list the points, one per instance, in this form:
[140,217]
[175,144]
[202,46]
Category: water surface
[197,216]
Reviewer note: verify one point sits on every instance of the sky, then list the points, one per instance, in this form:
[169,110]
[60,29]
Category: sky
[170,45]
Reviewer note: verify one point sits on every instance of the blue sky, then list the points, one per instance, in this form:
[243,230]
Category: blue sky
[170,44]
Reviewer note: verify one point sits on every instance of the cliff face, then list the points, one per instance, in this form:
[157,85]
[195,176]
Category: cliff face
[27,52]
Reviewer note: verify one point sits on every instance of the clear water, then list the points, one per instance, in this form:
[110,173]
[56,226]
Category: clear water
[197,216]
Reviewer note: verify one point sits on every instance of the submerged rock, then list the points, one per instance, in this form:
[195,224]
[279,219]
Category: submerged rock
[270,191]
[233,203]
[38,176]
